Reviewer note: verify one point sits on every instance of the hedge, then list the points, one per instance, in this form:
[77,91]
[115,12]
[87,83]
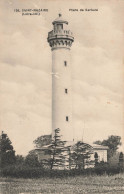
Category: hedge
[37,172]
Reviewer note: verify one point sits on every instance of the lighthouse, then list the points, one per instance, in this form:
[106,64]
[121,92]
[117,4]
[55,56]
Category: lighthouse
[60,40]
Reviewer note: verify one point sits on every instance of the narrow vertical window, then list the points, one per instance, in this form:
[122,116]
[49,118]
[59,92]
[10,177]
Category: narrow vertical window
[66,90]
[66,118]
[65,63]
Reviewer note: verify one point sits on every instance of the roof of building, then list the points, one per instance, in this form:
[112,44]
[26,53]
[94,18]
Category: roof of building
[60,19]
[96,146]
[72,143]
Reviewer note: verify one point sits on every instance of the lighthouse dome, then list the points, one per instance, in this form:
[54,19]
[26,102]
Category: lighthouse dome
[60,19]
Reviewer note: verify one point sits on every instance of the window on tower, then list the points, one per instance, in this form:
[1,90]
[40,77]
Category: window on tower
[59,26]
[66,90]
[65,63]
[67,118]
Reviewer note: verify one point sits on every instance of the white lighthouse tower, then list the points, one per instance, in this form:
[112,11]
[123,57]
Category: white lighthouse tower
[60,40]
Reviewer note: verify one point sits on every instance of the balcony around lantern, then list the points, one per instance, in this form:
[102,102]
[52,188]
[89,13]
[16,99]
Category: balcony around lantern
[60,34]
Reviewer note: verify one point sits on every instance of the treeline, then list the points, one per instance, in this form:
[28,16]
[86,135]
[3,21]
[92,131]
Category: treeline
[77,161]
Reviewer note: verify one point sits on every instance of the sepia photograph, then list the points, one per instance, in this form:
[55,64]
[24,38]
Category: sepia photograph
[62,96]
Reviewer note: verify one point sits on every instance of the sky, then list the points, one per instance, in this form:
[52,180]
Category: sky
[97,69]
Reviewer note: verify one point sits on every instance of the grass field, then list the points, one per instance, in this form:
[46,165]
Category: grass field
[77,184]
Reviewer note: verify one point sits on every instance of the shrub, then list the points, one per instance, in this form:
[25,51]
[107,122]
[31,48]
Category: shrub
[21,171]
[105,168]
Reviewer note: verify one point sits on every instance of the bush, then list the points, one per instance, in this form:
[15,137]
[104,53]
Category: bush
[32,160]
[21,171]
[105,168]
[36,172]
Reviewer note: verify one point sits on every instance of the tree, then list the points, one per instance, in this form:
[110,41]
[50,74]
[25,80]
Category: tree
[57,151]
[32,159]
[112,142]
[42,140]
[19,160]
[7,153]
[96,158]
[121,161]
[98,142]
[80,155]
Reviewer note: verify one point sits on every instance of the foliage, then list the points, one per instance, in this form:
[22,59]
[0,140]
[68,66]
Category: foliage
[37,172]
[42,140]
[98,142]
[22,171]
[57,151]
[19,159]
[32,159]
[121,161]
[112,142]
[96,158]
[105,168]
[7,153]
[80,155]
